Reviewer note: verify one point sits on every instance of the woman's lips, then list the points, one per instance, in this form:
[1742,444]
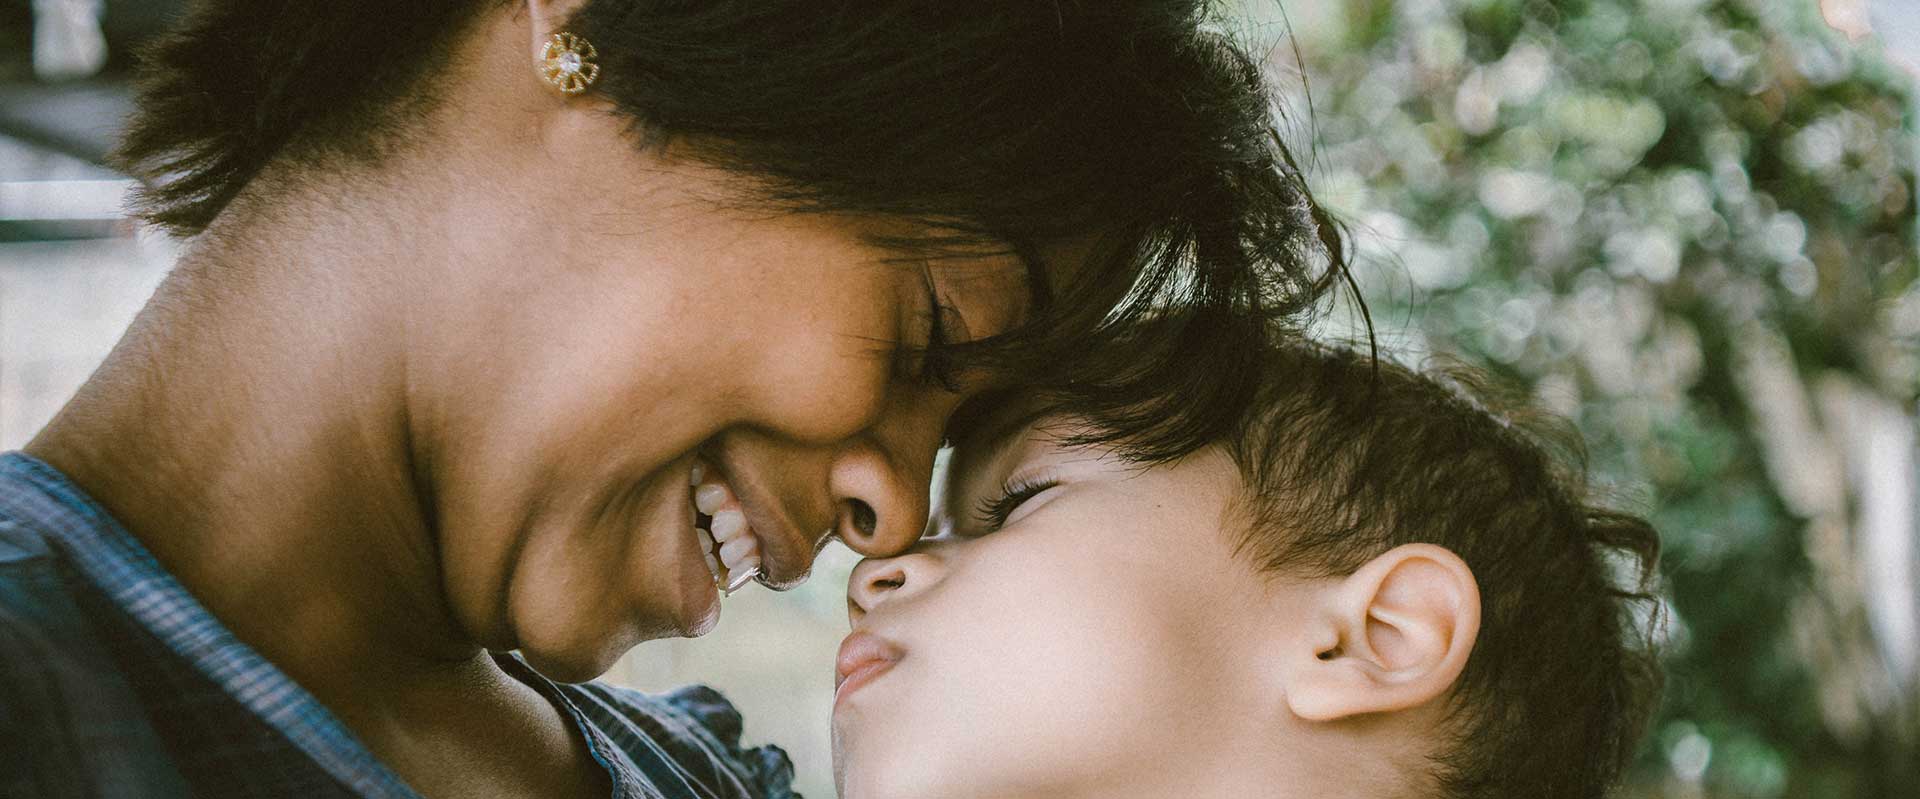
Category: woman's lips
[863,658]
[781,564]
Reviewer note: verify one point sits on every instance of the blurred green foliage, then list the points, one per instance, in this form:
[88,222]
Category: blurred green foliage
[1690,225]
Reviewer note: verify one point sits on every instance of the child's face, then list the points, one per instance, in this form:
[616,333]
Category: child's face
[1101,641]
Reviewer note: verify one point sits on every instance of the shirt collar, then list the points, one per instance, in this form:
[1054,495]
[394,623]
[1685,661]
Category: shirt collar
[120,566]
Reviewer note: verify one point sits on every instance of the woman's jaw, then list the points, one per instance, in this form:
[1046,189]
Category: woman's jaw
[652,560]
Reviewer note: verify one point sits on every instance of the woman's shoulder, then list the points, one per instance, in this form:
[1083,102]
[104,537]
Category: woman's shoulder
[696,728]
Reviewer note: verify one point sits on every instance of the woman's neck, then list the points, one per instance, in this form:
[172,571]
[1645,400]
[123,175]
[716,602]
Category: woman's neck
[251,429]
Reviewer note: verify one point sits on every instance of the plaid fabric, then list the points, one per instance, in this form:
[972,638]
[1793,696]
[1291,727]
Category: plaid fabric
[115,682]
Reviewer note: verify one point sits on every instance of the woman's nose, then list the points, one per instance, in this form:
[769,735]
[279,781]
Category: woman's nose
[879,480]
[880,505]
[877,581]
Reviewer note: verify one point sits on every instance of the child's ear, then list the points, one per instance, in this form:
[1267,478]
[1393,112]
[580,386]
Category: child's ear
[1394,635]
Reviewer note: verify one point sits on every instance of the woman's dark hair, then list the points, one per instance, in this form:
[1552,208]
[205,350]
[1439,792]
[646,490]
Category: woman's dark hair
[1345,458]
[1126,127]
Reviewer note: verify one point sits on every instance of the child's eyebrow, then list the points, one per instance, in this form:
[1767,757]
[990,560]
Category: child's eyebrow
[985,426]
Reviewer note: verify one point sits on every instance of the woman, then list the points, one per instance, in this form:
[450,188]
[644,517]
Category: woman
[485,305]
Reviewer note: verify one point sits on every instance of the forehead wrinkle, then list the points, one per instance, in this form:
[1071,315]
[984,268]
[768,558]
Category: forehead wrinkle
[926,249]
[874,346]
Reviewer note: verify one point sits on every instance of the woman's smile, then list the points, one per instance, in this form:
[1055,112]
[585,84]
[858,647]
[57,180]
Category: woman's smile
[731,548]
[747,528]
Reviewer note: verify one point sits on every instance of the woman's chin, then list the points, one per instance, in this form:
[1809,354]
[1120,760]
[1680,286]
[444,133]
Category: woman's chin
[570,666]
[704,611]
[587,659]
[573,632]
[586,651]
[697,610]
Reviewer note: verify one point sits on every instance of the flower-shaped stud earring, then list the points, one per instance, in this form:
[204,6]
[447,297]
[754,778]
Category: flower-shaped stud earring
[567,63]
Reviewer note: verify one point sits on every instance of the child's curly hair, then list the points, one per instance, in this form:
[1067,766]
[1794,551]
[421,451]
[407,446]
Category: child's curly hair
[1346,457]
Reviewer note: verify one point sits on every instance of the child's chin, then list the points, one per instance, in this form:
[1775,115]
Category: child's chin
[893,775]
[865,785]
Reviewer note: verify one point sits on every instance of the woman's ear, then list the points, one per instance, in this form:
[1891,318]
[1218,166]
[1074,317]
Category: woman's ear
[1392,636]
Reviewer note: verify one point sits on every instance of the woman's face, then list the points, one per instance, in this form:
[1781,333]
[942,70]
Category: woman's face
[607,319]
[1078,627]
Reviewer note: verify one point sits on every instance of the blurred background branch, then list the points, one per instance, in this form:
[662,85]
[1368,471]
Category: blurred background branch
[1690,225]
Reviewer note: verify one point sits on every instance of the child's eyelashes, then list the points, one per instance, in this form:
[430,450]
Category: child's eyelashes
[992,512]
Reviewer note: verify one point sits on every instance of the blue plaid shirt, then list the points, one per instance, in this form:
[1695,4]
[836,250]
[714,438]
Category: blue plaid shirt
[115,682]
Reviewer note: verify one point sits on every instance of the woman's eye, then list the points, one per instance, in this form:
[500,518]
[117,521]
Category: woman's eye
[936,357]
[936,362]
[994,511]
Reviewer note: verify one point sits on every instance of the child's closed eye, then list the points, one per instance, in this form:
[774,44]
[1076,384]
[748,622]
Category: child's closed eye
[992,512]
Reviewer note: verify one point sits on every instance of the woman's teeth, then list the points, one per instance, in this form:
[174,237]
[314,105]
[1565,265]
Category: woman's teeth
[740,553]
[727,525]
[709,497]
[706,550]
[732,552]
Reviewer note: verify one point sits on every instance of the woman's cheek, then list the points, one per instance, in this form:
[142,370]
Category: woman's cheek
[814,389]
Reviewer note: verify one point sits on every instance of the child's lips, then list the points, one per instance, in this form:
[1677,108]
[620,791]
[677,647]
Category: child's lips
[863,658]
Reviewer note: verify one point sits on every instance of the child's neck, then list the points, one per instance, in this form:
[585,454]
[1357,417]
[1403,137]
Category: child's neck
[1340,767]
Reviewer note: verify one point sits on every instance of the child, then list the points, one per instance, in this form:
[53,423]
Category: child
[1374,587]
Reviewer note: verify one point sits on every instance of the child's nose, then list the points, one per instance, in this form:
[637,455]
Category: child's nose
[876,581]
